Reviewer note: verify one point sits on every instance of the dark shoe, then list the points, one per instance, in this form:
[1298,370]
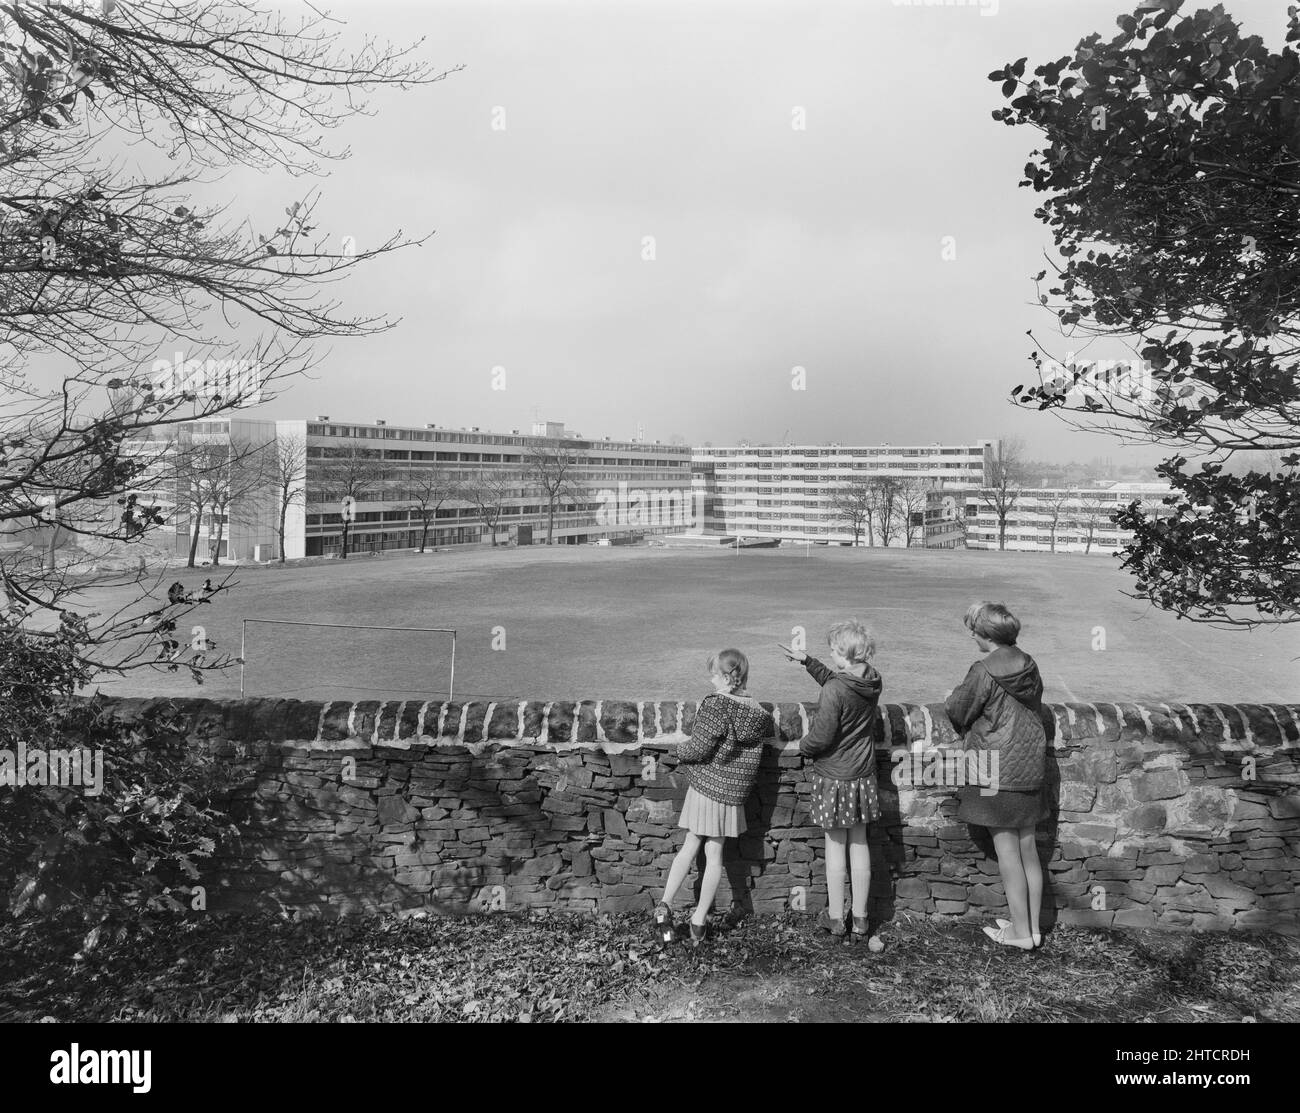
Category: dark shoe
[828,923]
[866,932]
[699,932]
[665,931]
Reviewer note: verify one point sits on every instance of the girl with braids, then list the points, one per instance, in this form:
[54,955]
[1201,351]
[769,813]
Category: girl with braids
[720,761]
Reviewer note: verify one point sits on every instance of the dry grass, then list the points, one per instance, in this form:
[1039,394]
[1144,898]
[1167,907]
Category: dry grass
[562,968]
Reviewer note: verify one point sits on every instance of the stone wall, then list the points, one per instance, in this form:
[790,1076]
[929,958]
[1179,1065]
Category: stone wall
[1178,816]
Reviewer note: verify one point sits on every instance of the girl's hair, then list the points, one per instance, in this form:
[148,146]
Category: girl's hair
[731,664]
[993,621]
[852,641]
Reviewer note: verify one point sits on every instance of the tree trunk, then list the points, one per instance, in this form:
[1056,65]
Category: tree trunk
[424,534]
[284,513]
[550,522]
[194,535]
[1002,532]
[343,552]
[216,553]
[54,544]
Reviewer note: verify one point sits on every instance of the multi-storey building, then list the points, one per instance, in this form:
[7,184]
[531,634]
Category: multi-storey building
[616,489]
[789,491]
[606,479]
[216,471]
[1059,519]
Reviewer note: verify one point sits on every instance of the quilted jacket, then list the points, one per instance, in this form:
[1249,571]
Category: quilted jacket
[720,759]
[842,737]
[997,707]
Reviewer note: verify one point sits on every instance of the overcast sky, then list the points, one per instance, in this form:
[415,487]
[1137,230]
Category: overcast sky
[775,247]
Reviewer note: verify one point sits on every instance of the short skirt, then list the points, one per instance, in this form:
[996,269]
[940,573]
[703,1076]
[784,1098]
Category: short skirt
[837,804]
[1005,808]
[709,818]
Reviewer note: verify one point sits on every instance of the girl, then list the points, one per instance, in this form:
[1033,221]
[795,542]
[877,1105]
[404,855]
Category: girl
[842,740]
[997,707]
[720,762]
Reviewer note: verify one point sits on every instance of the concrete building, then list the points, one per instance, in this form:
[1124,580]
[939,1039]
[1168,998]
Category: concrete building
[789,491]
[1074,520]
[619,490]
[219,463]
[613,482]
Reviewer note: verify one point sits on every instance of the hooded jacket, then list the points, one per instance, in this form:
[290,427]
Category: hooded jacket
[998,707]
[842,738]
[726,744]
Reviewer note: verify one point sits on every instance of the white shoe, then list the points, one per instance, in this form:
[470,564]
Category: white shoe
[999,935]
[1006,924]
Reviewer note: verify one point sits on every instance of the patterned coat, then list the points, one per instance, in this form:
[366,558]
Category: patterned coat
[720,760]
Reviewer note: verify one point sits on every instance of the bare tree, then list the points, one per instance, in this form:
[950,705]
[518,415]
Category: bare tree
[912,494]
[288,479]
[238,487]
[852,503]
[1088,517]
[428,488]
[194,467]
[106,267]
[885,492]
[1055,502]
[350,472]
[1005,482]
[553,469]
[487,491]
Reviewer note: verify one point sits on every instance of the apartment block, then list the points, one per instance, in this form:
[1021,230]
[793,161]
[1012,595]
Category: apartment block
[790,491]
[1059,519]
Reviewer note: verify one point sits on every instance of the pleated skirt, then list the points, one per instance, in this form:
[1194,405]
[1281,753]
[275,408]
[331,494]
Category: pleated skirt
[709,818]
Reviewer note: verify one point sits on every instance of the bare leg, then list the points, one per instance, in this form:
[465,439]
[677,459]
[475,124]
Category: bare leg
[681,866]
[1033,875]
[836,842]
[860,865]
[1006,841]
[712,876]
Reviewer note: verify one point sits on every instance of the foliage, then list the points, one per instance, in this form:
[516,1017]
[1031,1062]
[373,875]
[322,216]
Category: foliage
[106,264]
[132,847]
[1172,164]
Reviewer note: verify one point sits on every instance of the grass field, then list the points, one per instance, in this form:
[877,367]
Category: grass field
[639,623]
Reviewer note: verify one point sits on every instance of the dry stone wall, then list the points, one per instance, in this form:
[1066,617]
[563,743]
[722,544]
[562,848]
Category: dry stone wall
[1173,816]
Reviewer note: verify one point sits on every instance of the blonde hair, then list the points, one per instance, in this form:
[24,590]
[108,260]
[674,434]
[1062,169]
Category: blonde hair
[852,641]
[732,665]
[993,622]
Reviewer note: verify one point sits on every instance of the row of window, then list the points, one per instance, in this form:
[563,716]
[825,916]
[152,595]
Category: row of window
[727,453]
[442,436]
[849,465]
[317,452]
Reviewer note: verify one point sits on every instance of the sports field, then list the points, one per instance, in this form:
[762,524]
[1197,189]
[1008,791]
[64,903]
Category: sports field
[639,623]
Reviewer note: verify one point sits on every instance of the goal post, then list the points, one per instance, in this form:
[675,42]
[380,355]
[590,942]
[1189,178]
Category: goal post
[385,630]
